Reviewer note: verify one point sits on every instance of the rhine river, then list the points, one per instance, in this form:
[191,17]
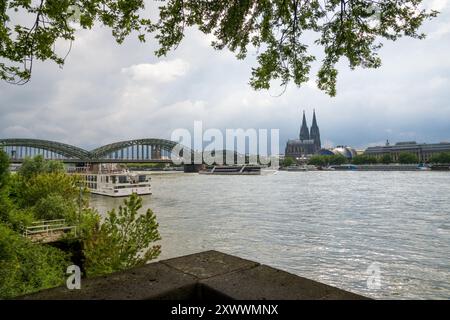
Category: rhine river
[326,226]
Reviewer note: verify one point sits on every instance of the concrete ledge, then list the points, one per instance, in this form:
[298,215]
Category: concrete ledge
[204,276]
[209,264]
[153,281]
[266,283]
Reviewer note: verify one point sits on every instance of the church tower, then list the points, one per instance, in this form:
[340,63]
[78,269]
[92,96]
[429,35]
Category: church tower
[304,132]
[315,134]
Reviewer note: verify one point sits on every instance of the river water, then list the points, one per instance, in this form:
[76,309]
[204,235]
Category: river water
[380,234]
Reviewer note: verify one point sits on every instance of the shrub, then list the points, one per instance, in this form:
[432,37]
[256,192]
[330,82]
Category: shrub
[386,159]
[26,267]
[364,159]
[122,241]
[407,158]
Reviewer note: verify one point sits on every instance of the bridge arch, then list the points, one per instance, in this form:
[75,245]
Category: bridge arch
[24,147]
[150,148]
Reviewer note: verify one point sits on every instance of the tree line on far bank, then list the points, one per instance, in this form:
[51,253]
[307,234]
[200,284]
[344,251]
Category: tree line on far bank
[337,159]
[41,190]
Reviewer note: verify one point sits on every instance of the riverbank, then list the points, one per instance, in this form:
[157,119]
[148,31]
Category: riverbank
[369,167]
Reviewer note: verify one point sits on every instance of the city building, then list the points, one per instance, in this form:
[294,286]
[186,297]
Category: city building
[423,151]
[308,142]
[345,151]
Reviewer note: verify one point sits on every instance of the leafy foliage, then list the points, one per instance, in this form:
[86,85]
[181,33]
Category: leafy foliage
[288,161]
[4,168]
[344,28]
[90,221]
[55,206]
[42,185]
[123,240]
[54,20]
[326,160]
[5,203]
[42,191]
[18,219]
[278,29]
[443,157]
[386,159]
[407,158]
[364,159]
[26,267]
[36,165]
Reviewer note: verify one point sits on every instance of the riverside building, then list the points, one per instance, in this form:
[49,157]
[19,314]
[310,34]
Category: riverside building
[423,151]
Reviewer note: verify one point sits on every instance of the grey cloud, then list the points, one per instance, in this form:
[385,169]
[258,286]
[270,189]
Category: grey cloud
[101,95]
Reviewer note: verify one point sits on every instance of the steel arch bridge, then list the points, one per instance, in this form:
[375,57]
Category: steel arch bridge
[137,150]
[140,149]
[21,148]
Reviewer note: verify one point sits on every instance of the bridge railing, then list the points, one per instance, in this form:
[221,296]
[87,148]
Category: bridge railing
[47,227]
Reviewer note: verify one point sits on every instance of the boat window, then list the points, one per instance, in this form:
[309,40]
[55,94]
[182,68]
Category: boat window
[122,179]
[107,179]
[142,178]
[113,179]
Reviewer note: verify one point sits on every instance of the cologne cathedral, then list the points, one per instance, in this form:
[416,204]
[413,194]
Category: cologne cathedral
[308,142]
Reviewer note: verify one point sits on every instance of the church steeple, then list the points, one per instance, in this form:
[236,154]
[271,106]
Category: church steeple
[314,123]
[304,132]
[315,133]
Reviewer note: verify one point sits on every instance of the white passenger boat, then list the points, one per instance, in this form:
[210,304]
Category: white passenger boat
[233,170]
[114,181]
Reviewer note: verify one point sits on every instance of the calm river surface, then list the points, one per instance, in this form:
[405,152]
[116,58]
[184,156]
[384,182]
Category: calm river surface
[326,226]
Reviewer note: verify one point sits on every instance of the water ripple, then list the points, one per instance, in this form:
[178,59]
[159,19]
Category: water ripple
[327,226]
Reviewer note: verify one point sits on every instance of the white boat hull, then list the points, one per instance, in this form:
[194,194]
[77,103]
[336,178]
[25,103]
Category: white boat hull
[233,170]
[231,173]
[123,192]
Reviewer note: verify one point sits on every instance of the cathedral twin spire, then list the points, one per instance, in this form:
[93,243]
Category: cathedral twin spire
[314,134]
[304,132]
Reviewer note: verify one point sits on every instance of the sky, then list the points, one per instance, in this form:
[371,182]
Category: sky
[108,92]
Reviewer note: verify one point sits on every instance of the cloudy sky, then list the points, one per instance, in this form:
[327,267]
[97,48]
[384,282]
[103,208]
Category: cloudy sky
[108,92]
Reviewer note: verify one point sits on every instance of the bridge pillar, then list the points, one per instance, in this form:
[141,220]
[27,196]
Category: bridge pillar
[156,152]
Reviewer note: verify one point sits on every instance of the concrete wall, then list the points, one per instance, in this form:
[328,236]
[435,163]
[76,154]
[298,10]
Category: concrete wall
[204,276]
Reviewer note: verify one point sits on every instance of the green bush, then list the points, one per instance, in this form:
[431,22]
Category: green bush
[443,157]
[407,158]
[26,267]
[326,160]
[19,219]
[288,161]
[386,159]
[317,160]
[364,159]
[122,241]
[337,159]
[45,184]
[37,165]
[42,191]
[4,168]
[5,202]
[55,206]
[40,187]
